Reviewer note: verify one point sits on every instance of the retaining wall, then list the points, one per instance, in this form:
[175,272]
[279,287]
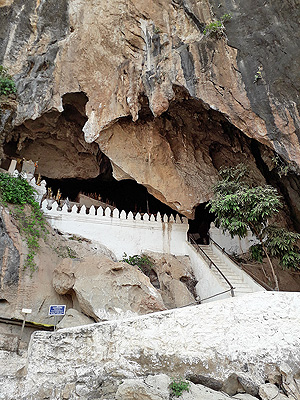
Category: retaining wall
[121,232]
[231,245]
[242,335]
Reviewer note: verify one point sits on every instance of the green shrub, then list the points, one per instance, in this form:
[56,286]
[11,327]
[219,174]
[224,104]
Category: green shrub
[7,85]
[217,27]
[26,211]
[178,386]
[143,262]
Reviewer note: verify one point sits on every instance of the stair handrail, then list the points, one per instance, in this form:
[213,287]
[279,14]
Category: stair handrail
[239,265]
[210,263]
[225,252]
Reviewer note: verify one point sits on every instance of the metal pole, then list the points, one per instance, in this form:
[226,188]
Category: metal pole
[21,334]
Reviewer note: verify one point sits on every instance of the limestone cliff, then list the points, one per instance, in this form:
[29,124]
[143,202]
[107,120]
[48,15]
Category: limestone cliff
[164,102]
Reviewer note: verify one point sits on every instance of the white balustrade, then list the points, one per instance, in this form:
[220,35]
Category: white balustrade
[131,235]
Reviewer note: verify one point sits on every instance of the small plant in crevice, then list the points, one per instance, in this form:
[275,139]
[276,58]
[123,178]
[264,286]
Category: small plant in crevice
[142,262]
[178,386]
[7,85]
[64,251]
[26,211]
[217,27]
[258,75]
[283,169]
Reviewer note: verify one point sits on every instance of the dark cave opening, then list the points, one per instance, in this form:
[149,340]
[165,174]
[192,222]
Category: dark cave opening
[199,226]
[200,140]
[126,195]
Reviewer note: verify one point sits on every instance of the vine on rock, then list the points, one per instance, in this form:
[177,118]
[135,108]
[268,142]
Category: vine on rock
[7,85]
[26,211]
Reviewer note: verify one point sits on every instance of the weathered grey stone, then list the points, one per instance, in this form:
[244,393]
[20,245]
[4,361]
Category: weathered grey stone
[74,318]
[68,390]
[232,385]
[289,381]
[160,382]
[244,396]
[139,390]
[199,392]
[186,340]
[273,374]
[106,289]
[268,391]
[207,381]
[248,386]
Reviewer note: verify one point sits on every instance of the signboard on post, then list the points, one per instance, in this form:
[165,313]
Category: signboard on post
[57,310]
[26,310]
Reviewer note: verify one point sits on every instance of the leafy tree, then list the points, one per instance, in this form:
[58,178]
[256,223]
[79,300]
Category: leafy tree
[239,206]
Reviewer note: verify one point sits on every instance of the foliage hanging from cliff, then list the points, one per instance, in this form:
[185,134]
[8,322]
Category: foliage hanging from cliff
[240,206]
[7,85]
[26,211]
[217,27]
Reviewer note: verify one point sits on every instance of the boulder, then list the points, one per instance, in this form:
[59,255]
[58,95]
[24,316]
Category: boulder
[176,279]
[105,289]
[199,392]
[63,277]
[74,318]
[290,381]
[207,381]
[232,385]
[244,396]
[157,387]
[152,388]
[268,391]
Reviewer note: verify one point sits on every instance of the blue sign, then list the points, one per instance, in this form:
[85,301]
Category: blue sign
[57,310]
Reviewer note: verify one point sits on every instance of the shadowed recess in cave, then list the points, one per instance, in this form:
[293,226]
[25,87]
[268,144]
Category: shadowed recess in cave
[185,146]
[199,226]
[126,195]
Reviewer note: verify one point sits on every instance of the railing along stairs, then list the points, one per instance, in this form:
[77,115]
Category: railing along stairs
[239,265]
[211,265]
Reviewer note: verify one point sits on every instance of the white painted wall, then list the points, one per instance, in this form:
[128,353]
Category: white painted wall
[121,233]
[208,284]
[241,335]
[232,245]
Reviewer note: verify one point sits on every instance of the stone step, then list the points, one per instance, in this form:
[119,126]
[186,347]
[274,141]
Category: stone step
[240,287]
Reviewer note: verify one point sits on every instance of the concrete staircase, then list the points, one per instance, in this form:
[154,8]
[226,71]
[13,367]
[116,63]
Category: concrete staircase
[240,285]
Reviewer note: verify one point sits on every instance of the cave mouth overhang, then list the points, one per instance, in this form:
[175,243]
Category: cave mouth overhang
[175,157]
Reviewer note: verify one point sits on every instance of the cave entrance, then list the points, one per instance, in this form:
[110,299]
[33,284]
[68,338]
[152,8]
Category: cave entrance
[199,226]
[125,195]
[67,162]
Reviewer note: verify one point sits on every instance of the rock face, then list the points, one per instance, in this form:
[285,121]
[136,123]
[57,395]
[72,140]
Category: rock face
[262,333]
[74,318]
[105,289]
[175,279]
[161,97]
